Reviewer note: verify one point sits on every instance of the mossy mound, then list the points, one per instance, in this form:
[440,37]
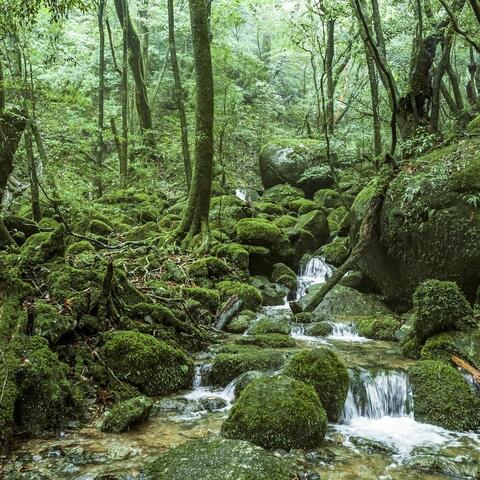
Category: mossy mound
[336,252]
[50,323]
[127,414]
[235,253]
[251,296]
[218,459]
[281,270]
[315,223]
[285,221]
[241,322]
[328,198]
[277,412]
[42,247]
[302,206]
[443,397]
[151,365]
[207,297]
[212,268]
[269,340]
[324,370]
[320,329]
[439,307]
[282,195]
[378,328]
[268,208]
[267,325]
[474,125]
[80,247]
[240,359]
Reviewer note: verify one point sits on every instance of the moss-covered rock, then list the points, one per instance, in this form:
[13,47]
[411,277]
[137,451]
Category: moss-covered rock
[277,412]
[302,206]
[324,370]
[42,247]
[269,325]
[151,365]
[269,340]
[272,293]
[336,252]
[320,329]
[316,223]
[235,253]
[268,208]
[127,414]
[285,221]
[148,231]
[282,195]
[282,270]
[443,397]
[218,459]
[241,322]
[80,247]
[316,177]
[251,296]
[304,317]
[99,227]
[234,361]
[378,328]
[439,307]
[212,268]
[338,220]
[207,297]
[327,198]
[50,323]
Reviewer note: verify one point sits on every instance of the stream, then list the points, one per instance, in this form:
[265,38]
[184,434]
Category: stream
[377,437]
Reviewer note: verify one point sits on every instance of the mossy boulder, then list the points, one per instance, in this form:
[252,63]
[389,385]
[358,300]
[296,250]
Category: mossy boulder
[282,195]
[439,307]
[378,328]
[269,340]
[327,198]
[124,415]
[212,268]
[50,323]
[42,247]
[336,252]
[272,293]
[285,221]
[302,206]
[80,247]
[99,227]
[227,208]
[268,208]
[277,412]
[151,365]
[281,270]
[429,224]
[269,325]
[315,178]
[241,322]
[286,160]
[148,231]
[338,220]
[235,254]
[316,223]
[320,329]
[218,459]
[323,369]
[251,296]
[230,364]
[443,397]
[207,297]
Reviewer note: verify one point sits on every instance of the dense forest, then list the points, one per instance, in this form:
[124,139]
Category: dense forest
[239,239]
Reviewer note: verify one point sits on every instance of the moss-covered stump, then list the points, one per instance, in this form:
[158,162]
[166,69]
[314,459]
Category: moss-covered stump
[269,325]
[251,296]
[218,459]
[269,340]
[378,328]
[151,365]
[439,307]
[324,370]
[277,412]
[233,362]
[124,415]
[443,397]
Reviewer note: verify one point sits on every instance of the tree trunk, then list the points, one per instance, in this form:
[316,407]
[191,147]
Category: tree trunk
[137,66]
[449,99]
[101,94]
[33,171]
[143,8]
[12,126]
[476,8]
[123,142]
[377,127]
[329,57]
[454,82]
[179,93]
[195,218]
[2,88]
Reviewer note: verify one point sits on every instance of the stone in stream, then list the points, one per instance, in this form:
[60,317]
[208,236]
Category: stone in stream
[241,322]
[126,414]
[218,459]
[382,327]
[231,308]
[443,397]
[277,413]
[269,325]
[268,340]
[323,369]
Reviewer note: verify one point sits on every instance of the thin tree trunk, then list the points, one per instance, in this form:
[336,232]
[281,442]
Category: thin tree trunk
[457,93]
[101,94]
[476,8]
[2,88]
[329,56]
[449,99]
[195,218]
[377,24]
[179,93]
[377,128]
[33,171]
[143,8]
[124,100]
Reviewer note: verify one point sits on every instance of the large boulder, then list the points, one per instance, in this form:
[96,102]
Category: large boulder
[277,412]
[124,415]
[323,369]
[291,161]
[218,459]
[151,365]
[429,224]
[443,397]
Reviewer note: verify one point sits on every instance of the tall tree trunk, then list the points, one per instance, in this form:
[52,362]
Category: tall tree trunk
[195,218]
[123,150]
[329,57]
[43,159]
[137,66]
[179,93]
[377,25]
[449,99]
[472,88]
[377,128]
[101,94]
[143,7]
[33,171]
[476,8]
[454,82]
[2,88]
[12,126]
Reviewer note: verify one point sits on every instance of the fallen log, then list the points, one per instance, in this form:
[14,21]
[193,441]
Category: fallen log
[474,372]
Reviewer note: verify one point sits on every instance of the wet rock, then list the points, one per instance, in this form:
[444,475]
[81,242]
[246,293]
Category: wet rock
[320,329]
[372,445]
[277,412]
[241,322]
[378,328]
[245,379]
[212,404]
[127,414]
[176,405]
[269,340]
[270,325]
[272,293]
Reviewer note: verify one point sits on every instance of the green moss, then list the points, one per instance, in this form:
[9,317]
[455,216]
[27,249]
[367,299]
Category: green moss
[209,267]
[328,198]
[98,227]
[474,125]
[268,208]
[267,325]
[239,359]
[80,247]
[258,232]
[304,317]
[240,323]
[282,195]
[218,459]
[316,223]
[320,329]
[8,368]
[235,253]
[147,363]
[378,328]
[127,414]
[443,397]
[50,323]
[440,306]
[46,222]
[337,252]
[143,232]
[324,370]
[336,219]
[277,412]
[251,296]
[207,297]
[269,340]
[285,221]
[42,247]
[280,270]
[302,206]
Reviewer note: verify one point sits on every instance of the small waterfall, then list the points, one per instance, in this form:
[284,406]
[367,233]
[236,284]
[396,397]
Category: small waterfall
[374,396]
[201,375]
[314,272]
[346,332]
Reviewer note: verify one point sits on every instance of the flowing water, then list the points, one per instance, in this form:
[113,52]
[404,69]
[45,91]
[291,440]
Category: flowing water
[377,437]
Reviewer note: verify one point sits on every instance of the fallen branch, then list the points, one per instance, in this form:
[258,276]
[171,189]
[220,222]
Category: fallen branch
[475,373]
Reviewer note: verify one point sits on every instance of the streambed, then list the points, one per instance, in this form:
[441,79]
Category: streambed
[377,437]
